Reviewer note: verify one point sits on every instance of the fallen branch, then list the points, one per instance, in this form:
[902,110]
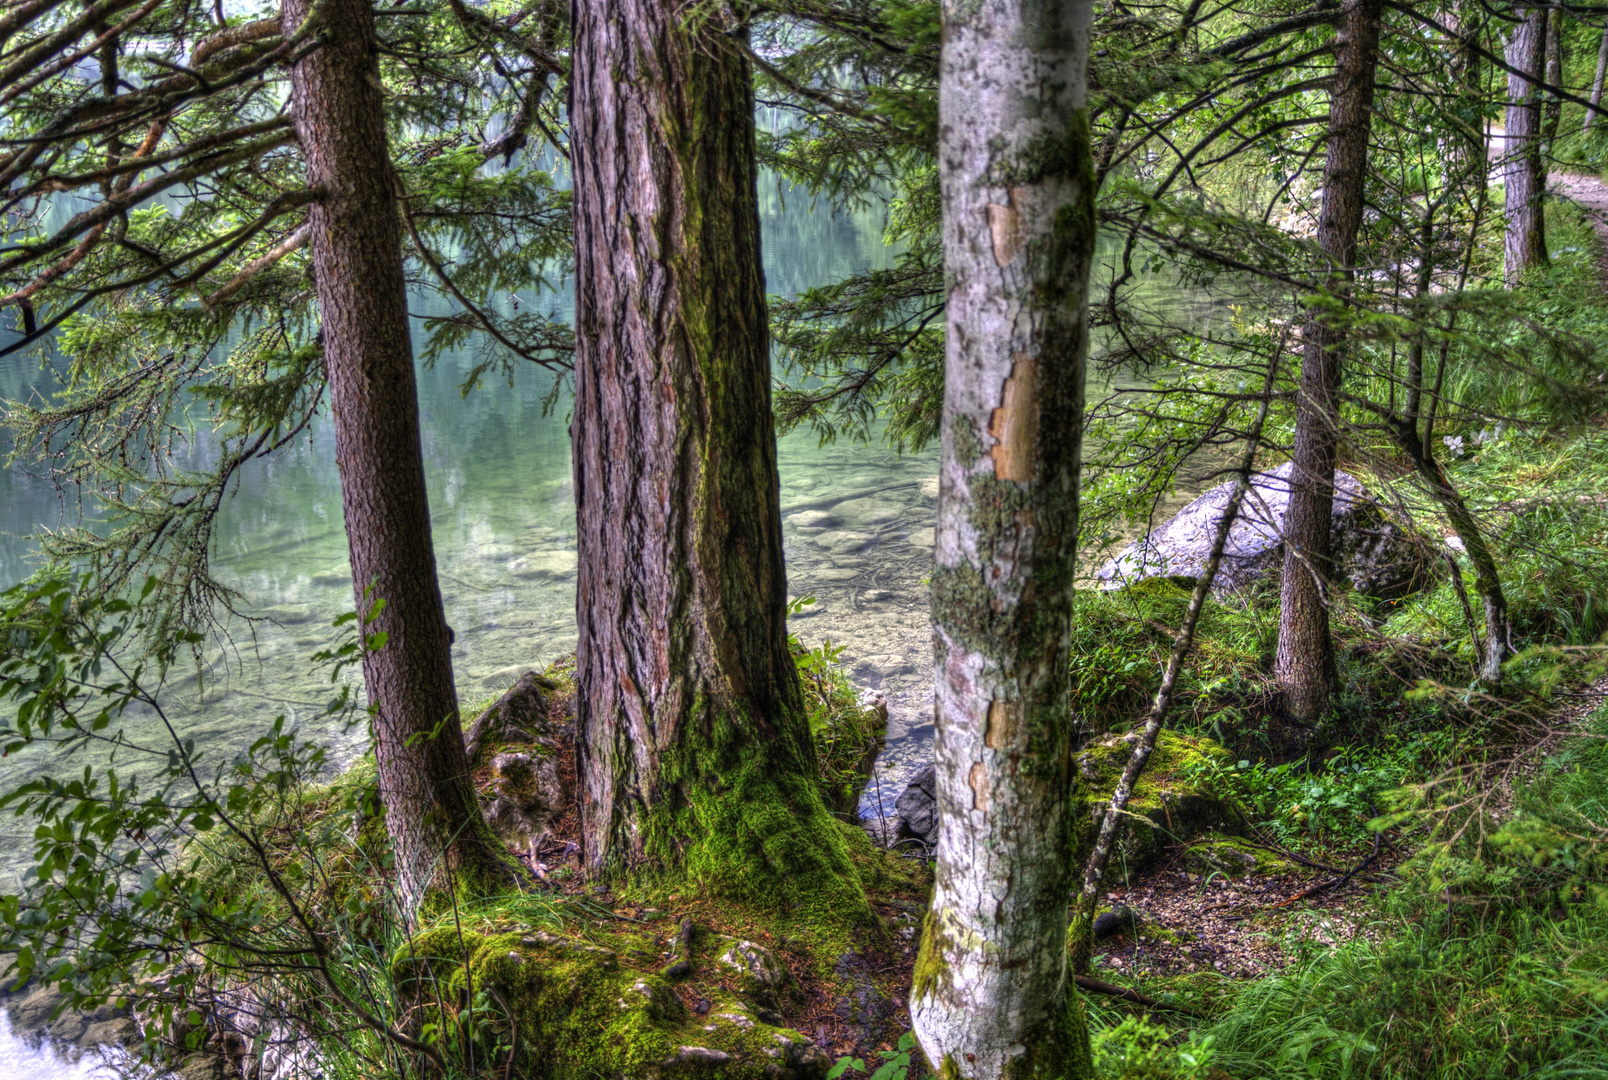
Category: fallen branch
[1335,883]
[1095,986]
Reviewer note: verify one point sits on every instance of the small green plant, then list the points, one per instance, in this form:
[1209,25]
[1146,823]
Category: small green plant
[1137,1049]
[895,1063]
[847,734]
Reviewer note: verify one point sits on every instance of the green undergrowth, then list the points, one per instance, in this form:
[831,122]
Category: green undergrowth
[1122,638]
[846,732]
[1487,959]
[1408,707]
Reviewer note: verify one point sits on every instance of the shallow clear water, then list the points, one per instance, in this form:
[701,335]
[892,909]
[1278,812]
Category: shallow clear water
[503,517]
[25,1056]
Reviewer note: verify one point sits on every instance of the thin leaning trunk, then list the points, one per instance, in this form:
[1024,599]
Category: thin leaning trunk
[1420,450]
[1524,242]
[1596,82]
[1094,869]
[431,812]
[1304,666]
[1552,112]
[695,749]
[990,995]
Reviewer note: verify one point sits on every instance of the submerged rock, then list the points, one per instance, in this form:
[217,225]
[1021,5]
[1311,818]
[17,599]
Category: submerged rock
[1377,554]
[917,808]
[557,565]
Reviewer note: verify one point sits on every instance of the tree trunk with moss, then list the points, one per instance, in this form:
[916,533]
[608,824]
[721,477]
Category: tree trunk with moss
[992,996]
[431,811]
[1523,172]
[1304,665]
[695,750]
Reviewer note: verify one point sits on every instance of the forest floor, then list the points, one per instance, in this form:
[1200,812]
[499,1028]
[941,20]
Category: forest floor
[1251,927]
[1591,195]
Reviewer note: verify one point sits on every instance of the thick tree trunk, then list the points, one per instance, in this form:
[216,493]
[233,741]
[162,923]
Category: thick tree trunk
[437,832]
[695,751]
[1525,243]
[1305,664]
[991,996]
[1596,82]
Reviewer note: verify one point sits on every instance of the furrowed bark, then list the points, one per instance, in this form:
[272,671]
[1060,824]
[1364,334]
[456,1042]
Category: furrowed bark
[431,810]
[1305,665]
[695,751]
[991,997]
[1094,869]
[1524,242]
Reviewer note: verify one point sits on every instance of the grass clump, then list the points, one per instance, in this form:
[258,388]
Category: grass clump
[847,731]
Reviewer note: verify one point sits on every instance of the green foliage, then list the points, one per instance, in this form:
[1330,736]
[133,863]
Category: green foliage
[1485,959]
[847,734]
[1332,804]
[187,330]
[1136,1049]
[159,874]
[895,1063]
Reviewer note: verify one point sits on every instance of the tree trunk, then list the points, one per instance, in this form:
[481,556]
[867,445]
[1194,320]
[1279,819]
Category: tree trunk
[1305,664]
[1596,83]
[991,996]
[1419,447]
[695,750]
[431,811]
[1525,243]
[1487,583]
[1553,111]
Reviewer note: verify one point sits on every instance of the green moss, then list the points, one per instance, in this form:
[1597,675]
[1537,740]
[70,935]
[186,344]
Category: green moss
[1166,805]
[1217,853]
[564,1007]
[931,971]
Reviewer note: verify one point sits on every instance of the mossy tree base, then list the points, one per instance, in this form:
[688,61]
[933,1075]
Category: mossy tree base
[555,1006]
[548,986]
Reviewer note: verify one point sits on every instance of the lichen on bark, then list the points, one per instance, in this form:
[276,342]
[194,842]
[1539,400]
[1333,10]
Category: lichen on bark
[990,996]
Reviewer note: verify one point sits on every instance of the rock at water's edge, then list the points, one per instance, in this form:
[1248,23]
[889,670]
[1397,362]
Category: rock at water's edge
[521,748]
[917,808]
[1379,555]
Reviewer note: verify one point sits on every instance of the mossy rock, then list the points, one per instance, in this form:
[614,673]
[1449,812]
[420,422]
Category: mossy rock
[1219,854]
[1167,807]
[578,1012]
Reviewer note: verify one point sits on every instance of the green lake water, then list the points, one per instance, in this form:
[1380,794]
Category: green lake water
[858,524]
[503,517]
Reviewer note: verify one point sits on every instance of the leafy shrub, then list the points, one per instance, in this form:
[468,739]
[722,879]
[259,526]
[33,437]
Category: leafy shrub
[847,733]
[1137,1049]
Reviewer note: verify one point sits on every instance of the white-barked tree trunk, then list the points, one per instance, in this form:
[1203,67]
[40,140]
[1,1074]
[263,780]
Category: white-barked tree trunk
[992,997]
